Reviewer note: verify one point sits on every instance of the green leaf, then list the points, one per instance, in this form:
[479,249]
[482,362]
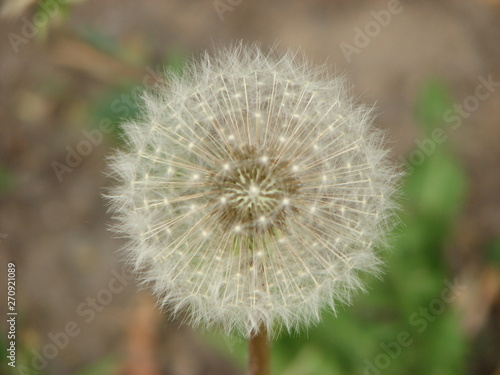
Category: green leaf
[176,61]
[432,103]
[436,190]
[115,108]
[53,12]
[6,179]
[105,366]
[100,40]
[310,361]
[492,252]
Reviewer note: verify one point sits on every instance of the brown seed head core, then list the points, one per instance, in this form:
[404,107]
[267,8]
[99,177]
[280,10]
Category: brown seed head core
[253,193]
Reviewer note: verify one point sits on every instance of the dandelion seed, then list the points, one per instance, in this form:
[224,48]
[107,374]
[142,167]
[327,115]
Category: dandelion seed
[269,175]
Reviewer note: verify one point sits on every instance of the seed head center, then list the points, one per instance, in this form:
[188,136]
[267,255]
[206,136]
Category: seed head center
[250,193]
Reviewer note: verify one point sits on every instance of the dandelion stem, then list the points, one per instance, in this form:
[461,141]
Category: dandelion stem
[258,353]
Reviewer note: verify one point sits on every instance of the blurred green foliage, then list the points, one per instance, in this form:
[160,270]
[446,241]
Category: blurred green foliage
[433,101]
[101,41]
[6,179]
[115,107]
[55,11]
[106,365]
[407,322]
[120,104]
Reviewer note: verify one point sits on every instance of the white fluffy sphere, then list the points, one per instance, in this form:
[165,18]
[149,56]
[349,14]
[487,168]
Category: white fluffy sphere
[252,191]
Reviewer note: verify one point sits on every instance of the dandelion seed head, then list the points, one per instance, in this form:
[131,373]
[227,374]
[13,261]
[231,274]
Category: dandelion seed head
[253,191]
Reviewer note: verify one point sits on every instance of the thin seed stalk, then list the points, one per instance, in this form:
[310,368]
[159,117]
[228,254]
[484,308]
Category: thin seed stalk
[259,353]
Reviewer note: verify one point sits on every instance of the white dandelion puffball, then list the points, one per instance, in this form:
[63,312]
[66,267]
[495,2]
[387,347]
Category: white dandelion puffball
[253,191]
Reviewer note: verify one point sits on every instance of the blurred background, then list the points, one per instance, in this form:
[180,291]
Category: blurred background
[71,71]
